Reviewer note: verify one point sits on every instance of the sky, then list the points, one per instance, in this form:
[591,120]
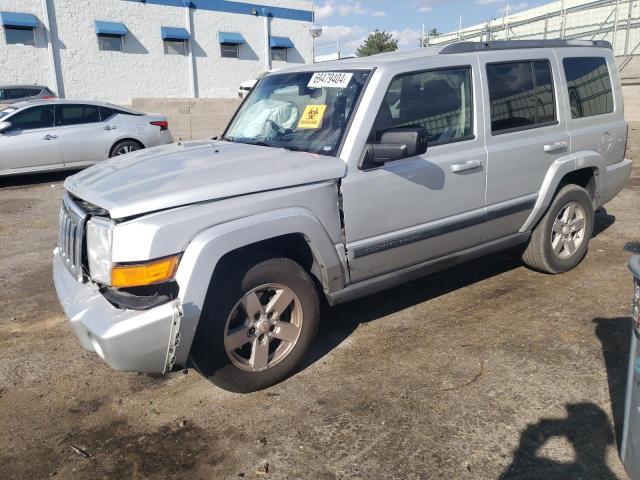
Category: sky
[350,21]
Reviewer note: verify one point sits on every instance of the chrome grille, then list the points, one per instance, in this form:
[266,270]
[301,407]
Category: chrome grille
[71,236]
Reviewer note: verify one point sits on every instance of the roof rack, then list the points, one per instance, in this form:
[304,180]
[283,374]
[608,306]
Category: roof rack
[464,47]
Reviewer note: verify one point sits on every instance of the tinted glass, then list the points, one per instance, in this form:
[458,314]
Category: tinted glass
[175,47]
[110,43]
[14,93]
[545,103]
[589,86]
[19,36]
[36,117]
[279,54]
[77,114]
[106,113]
[521,94]
[229,51]
[438,100]
[34,92]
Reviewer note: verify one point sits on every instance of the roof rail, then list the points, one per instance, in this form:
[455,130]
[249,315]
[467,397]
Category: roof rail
[463,47]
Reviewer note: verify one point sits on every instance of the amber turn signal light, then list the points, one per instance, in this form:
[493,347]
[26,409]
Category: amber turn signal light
[147,273]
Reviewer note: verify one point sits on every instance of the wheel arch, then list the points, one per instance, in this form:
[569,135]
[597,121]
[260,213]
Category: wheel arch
[294,233]
[581,168]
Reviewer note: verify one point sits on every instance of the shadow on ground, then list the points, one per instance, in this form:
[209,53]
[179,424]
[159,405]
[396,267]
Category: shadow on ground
[588,430]
[339,322]
[35,178]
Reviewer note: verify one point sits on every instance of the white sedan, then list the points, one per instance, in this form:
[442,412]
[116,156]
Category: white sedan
[41,135]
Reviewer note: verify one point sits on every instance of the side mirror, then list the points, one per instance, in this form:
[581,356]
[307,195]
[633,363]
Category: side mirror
[398,143]
[4,126]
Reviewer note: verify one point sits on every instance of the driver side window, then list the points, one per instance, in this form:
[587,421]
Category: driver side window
[32,118]
[438,100]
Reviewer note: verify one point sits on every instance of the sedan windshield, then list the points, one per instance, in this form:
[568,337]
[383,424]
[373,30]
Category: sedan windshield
[304,111]
[7,111]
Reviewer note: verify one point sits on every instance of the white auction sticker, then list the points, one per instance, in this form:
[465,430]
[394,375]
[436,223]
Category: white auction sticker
[330,80]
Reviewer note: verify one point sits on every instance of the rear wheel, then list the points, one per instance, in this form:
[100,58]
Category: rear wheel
[561,239]
[124,147]
[257,325]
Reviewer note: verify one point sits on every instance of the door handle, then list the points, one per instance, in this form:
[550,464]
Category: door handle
[466,166]
[50,137]
[110,127]
[555,147]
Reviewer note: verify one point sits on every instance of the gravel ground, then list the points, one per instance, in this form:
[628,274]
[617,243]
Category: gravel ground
[485,371]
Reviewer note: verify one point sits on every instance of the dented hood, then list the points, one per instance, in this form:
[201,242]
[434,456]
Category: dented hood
[195,171]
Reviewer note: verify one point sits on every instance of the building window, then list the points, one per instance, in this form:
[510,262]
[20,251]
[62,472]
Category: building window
[279,54]
[175,47]
[521,95]
[110,43]
[19,36]
[228,50]
[589,86]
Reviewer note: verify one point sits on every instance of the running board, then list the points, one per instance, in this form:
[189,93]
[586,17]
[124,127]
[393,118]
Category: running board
[392,279]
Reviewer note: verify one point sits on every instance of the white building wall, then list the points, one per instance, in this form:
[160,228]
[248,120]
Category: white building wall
[142,69]
[19,64]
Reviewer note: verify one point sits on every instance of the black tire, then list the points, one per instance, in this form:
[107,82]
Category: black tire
[540,254]
[209,355]
[124,147]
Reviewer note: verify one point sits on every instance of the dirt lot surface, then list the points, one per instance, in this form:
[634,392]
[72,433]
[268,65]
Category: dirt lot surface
[485,371]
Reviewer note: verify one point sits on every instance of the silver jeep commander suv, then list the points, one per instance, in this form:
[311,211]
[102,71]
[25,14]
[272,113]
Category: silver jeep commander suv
[338,180]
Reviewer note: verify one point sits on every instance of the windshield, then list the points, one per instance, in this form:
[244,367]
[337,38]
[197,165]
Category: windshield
[304,111]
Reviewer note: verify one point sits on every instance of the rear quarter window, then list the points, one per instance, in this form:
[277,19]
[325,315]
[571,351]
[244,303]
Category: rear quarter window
[588,85]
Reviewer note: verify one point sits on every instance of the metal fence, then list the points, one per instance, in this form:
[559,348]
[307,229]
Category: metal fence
[617,21]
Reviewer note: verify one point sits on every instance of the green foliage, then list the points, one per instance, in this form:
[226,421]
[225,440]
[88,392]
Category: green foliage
[377,42]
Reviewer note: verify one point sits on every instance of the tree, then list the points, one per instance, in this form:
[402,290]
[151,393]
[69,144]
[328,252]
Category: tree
[377,42]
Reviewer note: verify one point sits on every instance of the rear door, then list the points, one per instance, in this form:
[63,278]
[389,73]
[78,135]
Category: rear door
[32,140]
[525,133]
[84,138]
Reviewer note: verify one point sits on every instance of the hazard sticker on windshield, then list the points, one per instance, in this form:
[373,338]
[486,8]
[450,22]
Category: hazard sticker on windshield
[312,116]
[330,80]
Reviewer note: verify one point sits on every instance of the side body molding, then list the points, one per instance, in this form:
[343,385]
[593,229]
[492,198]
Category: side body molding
[558,169]
[209,246]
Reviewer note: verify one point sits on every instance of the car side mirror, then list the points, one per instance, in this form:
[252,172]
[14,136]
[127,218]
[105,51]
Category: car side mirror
[398,143]
[4,126]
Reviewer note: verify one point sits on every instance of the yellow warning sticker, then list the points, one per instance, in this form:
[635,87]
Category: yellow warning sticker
[312,116]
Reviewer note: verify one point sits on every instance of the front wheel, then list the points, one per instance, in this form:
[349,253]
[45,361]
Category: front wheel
[257,325]
[561,239]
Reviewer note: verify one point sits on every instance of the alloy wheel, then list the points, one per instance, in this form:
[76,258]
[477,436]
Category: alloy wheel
[263,327]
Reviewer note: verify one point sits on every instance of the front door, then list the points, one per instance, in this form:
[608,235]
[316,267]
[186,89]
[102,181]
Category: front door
[418,208]
[83,137]
[31,141]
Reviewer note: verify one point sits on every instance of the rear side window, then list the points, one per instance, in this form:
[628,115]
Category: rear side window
[14,93]
[589,86]
[521,95]
[34,92]
[77,114]
[438,100]
[31,118]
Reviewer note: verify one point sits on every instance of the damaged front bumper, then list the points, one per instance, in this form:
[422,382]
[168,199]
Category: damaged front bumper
[128,340]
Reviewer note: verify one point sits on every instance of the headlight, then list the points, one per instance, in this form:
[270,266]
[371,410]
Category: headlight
[99,240]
